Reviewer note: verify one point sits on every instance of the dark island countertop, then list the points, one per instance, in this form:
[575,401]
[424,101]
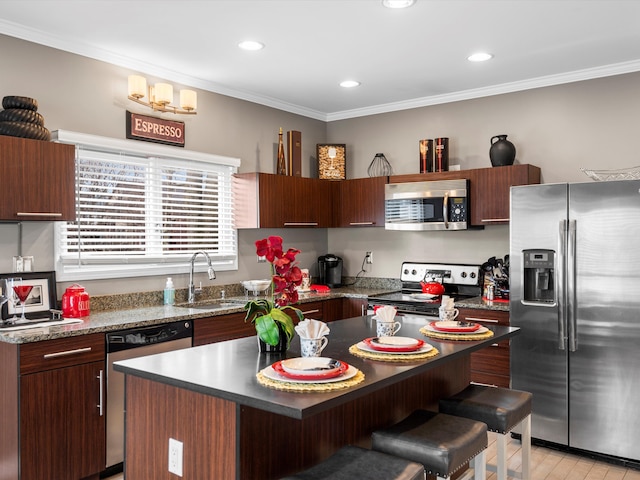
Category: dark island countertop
[228,369]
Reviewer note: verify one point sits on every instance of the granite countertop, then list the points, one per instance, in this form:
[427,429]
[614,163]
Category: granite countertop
[482,304]
[107,321]
[125,318]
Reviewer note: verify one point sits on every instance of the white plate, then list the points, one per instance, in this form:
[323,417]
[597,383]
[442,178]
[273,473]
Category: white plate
[422,296]
[269,372]
[309,365]
[395,341]
[480,330]
[424,349]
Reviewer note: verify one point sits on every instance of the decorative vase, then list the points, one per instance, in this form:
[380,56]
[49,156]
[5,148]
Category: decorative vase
[379,166]
[281,347]
[502,151]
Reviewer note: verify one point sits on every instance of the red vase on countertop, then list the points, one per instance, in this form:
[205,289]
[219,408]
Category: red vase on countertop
[75,302]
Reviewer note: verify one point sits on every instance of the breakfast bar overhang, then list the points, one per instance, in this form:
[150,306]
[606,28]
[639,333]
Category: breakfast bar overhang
[232,427]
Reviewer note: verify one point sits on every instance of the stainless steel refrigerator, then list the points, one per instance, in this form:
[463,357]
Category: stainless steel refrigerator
[575,293]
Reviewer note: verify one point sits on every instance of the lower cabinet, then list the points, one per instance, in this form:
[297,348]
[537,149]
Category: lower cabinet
[220,328]
[56,405]
[490,365]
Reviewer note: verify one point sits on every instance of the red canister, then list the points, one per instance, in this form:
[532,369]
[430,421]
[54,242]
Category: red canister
[75,302]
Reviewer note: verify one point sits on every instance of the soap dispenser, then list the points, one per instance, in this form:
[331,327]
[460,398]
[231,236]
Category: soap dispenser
[169,292]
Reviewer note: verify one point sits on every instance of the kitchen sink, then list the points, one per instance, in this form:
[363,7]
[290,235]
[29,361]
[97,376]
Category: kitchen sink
[213,304]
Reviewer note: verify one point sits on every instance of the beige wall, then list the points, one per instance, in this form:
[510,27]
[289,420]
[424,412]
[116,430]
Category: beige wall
[590,124]
[587,124]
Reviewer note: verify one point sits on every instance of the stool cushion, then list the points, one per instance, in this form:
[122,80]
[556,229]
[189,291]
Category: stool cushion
[442,443]
[353,462]
[500,408]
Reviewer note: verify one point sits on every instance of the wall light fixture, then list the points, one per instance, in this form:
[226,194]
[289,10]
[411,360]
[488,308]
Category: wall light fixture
[160,96]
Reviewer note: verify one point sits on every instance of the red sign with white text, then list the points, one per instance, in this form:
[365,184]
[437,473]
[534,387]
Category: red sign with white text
[152,129]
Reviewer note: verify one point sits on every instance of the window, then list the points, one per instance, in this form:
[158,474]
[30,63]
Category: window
[144,210]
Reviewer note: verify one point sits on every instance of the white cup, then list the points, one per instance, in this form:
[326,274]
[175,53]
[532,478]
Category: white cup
[312,347]
[448,314]
[387,329]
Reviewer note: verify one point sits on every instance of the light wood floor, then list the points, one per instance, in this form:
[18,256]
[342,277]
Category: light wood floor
[547,464]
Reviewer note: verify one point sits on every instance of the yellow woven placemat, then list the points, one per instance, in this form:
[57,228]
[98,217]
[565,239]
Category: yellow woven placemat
[390,357]
[453,336]
[309,387]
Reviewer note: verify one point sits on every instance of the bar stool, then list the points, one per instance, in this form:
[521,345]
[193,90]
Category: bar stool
[442,443]
[502,409]
[355,462]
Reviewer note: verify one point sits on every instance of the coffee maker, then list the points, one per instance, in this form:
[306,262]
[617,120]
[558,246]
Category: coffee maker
[330,270]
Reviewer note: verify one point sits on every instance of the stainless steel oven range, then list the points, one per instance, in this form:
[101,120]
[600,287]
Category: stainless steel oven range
[460,281]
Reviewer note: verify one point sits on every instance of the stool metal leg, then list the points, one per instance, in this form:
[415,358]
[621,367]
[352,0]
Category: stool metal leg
[500,467]
[526,448]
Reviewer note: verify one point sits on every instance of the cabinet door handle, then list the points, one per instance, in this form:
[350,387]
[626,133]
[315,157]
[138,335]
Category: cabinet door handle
[67,352]
[495,345]
[311,311]
[488,320]
[361,223]
[101,394]
[300,224]
[39,214]
[489,220]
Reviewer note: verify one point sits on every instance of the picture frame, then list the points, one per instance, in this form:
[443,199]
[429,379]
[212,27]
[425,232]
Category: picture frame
[41,299]
[332,161]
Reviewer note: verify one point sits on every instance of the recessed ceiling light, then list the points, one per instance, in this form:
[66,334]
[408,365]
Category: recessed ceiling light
[480,57]
[398,3]
[349,84]
[251,45]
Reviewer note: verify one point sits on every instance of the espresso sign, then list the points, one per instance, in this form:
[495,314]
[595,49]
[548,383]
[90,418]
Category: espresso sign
[158,130]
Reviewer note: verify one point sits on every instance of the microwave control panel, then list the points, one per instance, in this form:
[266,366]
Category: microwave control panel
[458,209]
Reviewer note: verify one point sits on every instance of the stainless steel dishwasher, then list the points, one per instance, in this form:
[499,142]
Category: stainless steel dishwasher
[133,343]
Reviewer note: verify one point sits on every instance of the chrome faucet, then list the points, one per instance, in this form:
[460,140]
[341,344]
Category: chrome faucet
[212,275]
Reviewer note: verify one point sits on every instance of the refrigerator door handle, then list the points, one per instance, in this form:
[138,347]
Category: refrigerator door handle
[560,282]
[571,288]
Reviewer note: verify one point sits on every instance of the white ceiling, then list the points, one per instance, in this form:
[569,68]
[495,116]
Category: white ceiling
[404,58]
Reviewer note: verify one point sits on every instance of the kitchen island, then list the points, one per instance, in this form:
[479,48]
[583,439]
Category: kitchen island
[230,426]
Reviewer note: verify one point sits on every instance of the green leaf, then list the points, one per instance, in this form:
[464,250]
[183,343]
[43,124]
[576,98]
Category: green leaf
[267,330]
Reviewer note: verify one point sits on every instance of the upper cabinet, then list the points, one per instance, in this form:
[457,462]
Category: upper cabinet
[489,188]
[265,200]
[359,202]
[38,180]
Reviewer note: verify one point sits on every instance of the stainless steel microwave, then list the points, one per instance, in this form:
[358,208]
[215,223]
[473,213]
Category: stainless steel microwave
[436,205]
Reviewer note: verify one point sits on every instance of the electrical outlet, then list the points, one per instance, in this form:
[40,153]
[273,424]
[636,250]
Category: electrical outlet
[175,457]
[369,257]
[262,259]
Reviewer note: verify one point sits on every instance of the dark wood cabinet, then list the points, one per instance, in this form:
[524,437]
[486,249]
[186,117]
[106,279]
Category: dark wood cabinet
[53,423]
[359,202]
[354,307]
[38,180]
[489,189]
[264,200]
[231,326]
[490,365]
[221,328]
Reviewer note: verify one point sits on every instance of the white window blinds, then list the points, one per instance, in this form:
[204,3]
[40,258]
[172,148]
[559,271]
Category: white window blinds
[145,215]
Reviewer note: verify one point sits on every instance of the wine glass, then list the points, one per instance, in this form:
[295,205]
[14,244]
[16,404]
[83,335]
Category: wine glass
[9,293]
[22,291]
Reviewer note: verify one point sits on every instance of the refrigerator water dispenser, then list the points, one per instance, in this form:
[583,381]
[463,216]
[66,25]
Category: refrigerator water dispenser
[539,276]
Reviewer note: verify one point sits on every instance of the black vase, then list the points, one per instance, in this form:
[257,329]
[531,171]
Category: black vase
[280,347]
[502,151]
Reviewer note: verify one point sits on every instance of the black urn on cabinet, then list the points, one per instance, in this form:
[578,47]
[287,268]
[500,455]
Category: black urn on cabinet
[502,151]
[330,270]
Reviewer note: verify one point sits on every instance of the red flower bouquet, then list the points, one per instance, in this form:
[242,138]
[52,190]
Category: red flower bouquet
[268,315]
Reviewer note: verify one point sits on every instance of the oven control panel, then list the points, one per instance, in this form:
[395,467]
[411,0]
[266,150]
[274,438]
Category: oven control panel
[444,273]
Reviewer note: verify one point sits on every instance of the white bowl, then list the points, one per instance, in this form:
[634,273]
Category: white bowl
[256,285]
[310,365]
